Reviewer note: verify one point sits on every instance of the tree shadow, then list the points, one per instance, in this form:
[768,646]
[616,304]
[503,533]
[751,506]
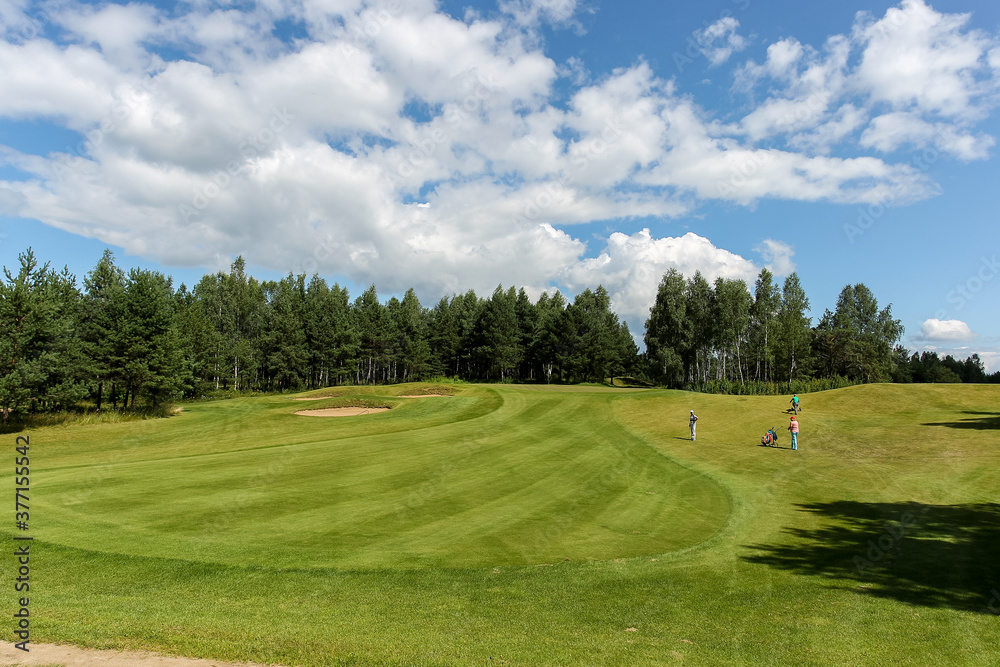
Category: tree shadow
[984,421]
[930,555]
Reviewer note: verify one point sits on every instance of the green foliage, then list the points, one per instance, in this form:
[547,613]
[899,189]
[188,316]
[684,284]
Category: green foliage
[793,335]
[928,367]
[858,340]
[42,363]
[146,349]
[668,334]
[130,339]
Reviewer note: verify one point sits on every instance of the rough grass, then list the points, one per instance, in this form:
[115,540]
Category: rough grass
[529,526]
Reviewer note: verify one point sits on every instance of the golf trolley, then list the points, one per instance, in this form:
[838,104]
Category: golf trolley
[770,438]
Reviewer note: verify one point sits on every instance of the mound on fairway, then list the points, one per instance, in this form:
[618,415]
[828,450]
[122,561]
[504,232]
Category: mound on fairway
[353,411]
[490,477]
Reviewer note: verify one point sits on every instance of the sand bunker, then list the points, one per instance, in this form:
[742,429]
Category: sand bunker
[72,656]
[340,412]
[424,396]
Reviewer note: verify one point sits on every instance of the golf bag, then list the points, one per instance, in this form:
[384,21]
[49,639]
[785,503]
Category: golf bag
[770,438]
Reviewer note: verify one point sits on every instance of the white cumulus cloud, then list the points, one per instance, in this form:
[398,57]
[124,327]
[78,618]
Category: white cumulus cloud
[404,146]
[777,256]
[720,40]
[945,330]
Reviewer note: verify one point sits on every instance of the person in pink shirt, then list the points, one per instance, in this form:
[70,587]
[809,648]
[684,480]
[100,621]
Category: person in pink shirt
[793,426]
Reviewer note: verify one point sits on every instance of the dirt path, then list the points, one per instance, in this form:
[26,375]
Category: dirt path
[73,656]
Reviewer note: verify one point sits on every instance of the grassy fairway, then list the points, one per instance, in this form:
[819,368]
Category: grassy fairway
[529,525]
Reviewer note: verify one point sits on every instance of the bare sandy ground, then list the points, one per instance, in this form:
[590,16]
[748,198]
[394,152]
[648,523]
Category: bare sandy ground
[424,396]
[340,412]
[73,656]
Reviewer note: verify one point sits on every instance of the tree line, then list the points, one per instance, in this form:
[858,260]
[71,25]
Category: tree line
[128,339]
[721,337]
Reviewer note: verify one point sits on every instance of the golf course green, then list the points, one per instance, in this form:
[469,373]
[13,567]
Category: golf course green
[526,525]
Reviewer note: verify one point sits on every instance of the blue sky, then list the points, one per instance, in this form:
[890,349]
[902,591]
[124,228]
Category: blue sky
[540,143]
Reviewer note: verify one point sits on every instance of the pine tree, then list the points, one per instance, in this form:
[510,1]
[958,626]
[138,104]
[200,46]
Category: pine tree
[147,349]
[527,317]
[500,336]
[412,329]
[373,327]
[284,340]
[41,356]
[101,304]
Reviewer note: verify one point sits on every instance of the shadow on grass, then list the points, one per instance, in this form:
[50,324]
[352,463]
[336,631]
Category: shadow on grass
[931,555]
[984,421]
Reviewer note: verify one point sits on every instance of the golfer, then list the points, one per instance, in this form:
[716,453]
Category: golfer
[793,426]
[795,403]
[694,424]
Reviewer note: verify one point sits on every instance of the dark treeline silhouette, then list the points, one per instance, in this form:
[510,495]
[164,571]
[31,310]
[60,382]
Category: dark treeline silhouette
[128,339]
[928,367]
